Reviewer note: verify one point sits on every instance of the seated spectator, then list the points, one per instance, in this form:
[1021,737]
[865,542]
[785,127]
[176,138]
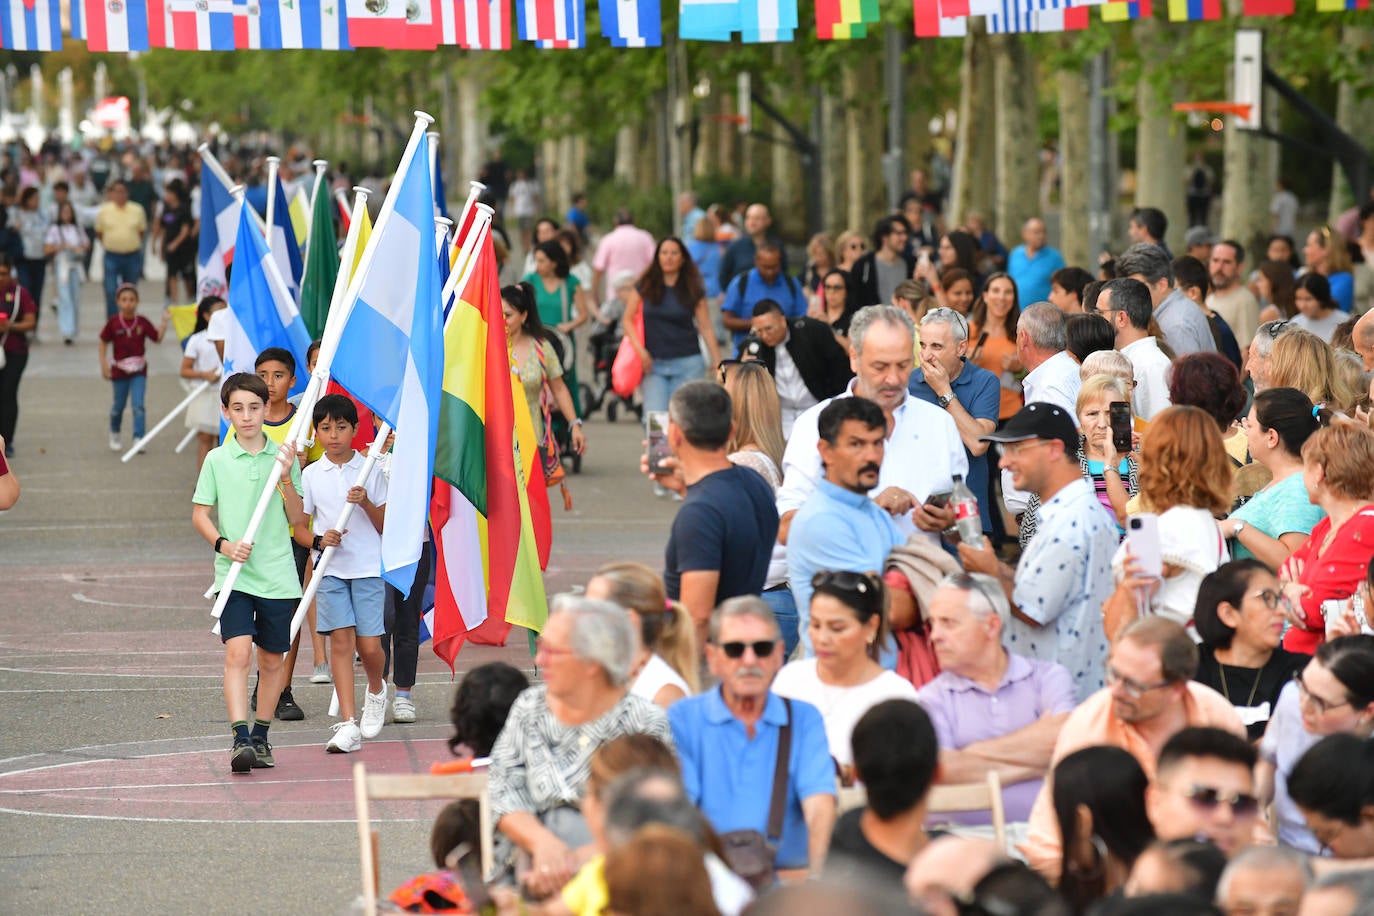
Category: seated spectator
[1187,867]
[1302,360]
[1333,695]
[1210,381]
[1343,893]
[727,741]
[1204,789]
[1263,881]
[844,680]
[1066,289]
[1276,520]
[1149,697]
[1332,562]
[480,707]
[992,710]
[540,762]
[1186,479]
[947,871]
[658,873]
[895,756]
[665,668]
[1099,803]
[1239,619]
[457,833]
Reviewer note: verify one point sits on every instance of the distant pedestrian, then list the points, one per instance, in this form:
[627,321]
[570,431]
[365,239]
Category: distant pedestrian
[123,360]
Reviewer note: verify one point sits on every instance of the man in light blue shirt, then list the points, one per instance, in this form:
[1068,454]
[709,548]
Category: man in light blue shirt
[1032,263]
[727,741]
[766,280]
[839,527]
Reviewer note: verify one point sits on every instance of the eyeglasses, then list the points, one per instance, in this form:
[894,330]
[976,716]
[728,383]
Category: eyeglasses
[1272,599]
[949,316]
[1132,688]
[1320,705]
[1208,798]
[762,648]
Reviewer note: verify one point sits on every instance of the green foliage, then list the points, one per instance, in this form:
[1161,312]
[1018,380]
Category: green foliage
[652,208]
[731,189]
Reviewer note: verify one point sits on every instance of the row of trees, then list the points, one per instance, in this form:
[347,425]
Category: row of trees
[628,124]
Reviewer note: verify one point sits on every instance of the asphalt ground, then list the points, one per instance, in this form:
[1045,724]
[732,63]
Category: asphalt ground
[115,790]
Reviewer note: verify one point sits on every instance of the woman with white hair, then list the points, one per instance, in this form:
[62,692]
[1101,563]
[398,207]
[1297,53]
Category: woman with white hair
[540,762]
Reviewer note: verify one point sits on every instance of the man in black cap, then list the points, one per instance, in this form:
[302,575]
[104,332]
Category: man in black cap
[1065,574]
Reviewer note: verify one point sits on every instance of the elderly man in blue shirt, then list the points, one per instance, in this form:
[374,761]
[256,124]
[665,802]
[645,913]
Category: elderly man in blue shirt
[839,527]
[728,740]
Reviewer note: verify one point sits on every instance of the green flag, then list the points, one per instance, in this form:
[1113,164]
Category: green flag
[321,264]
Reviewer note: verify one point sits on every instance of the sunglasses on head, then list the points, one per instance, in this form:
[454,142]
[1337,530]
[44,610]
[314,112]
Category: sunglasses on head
[1207,799]
[723,368]
[859,583]
[1275,328]
[762,648]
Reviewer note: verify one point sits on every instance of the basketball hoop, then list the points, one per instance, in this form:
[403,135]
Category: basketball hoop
[1239,109]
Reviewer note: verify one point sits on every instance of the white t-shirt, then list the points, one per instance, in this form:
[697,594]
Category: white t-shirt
[654,676]
[201,349]
[1151,369]
[1325,328]
[841,708]
[217,329]
[324,491]
[524,198]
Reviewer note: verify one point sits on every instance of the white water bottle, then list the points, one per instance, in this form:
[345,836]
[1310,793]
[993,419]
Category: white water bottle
[966,517]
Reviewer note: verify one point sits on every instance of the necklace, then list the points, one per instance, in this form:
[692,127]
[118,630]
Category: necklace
[1225,691]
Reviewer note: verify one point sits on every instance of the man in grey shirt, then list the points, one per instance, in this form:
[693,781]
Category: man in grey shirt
[1182,323]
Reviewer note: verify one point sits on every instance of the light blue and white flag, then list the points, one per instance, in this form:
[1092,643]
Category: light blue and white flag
[285,248]
[391,353]
[709,20]
[768,20]
[632,23]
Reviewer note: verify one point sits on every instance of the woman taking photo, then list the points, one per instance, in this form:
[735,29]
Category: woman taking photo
[665,667]
[836,304]
[1277,519]
[1326,254]
[1317,312]
[1332,562]
[1239,618]
[1334,694]
[67,244]
[541,374]
[676,322]
[992,339]
[562,303]
[848,629]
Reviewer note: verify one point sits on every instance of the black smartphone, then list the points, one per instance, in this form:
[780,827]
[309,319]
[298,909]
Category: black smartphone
[939,500]
[1121,427]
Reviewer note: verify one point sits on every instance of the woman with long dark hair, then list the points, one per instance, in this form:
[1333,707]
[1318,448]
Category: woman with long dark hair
[992,338]
[835,305]
[562,303]
[1099,801]
[1318,311]
[541,373]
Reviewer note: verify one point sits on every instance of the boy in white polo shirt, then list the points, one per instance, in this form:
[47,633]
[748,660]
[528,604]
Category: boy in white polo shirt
[351,600]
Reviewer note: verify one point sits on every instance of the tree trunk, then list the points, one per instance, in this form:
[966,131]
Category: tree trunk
[834,213]
[1355,116]
[1161,146]
[920,108]
[1245,189]
[965,146]
[788,181]
[864,137]
[626,164]
[1074,169]
[1018,141]
[473,144]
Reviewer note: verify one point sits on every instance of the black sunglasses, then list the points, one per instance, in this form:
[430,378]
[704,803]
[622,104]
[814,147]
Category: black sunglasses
[1208,798]
[1275,328]
[762,648]
[723,368]
[859,583]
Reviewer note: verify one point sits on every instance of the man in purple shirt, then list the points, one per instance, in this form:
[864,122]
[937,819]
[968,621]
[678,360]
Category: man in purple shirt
[991,710]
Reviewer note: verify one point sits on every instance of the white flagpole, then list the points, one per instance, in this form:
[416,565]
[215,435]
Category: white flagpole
[467,256]
[374,454]
[320,166]
[185,441]
[442,227]
[273,164]
[475,190]
[433,136]
[329,344]
[139,445]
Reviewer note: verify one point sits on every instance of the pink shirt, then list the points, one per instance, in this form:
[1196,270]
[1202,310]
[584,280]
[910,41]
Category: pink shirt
[624,248]
[1093,723]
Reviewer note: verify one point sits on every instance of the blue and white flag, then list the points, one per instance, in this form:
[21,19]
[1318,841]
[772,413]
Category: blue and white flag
[632,23]
[78,20]
[768,20]
[391,354]
[261,312]
[32,26]
[1015,16]
[285,247]
[219,224]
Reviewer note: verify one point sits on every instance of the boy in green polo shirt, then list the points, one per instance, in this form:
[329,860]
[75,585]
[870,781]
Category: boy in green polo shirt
[267,590]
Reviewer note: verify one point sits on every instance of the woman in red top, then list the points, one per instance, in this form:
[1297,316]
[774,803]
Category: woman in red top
[18,316]
[1331,563]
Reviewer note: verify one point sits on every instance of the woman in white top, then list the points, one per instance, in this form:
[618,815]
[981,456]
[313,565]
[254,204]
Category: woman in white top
[848,628]
[201,362]
[66,243]
[665,669]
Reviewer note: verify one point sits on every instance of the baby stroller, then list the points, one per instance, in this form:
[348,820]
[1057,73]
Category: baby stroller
[604,343]
[562,429]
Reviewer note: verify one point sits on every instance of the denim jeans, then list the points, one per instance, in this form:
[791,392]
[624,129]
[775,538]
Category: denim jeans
[125,389]
[120,268]
[68,299]
[667,376]
[785,609]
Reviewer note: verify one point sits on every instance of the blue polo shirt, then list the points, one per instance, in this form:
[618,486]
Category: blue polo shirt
[785,291]
[836,529]
[981,394]
[1032,274]
[729,775]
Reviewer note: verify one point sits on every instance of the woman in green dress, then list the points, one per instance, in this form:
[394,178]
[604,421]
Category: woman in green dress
[562,305]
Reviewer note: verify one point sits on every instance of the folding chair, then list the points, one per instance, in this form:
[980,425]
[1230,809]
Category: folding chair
[972,796]
[449,787]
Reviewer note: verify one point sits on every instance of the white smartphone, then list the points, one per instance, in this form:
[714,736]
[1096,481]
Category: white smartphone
[1142,534]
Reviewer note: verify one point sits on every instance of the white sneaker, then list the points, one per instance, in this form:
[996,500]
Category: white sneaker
[374,712]
[402,710]
[347,738]
[320,675]
[115,444]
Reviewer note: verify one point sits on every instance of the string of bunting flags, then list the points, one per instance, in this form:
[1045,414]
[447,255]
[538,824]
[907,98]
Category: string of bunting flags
[342,25]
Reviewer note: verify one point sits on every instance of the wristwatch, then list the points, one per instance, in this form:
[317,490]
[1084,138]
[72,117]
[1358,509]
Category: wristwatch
[577,422]
[947,399]
[1240,526]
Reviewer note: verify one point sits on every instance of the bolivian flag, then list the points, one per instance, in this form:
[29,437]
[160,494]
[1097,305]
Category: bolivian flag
[487,576]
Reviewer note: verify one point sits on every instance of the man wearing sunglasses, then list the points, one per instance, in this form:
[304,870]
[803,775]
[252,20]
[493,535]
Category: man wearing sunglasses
[1204,788]
[727,741]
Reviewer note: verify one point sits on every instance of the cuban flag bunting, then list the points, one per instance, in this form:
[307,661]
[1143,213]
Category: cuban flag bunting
[116,25]
[632,23]
[35,25]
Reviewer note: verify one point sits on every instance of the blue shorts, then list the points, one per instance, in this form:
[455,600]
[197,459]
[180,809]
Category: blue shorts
[267,620]
[357,603]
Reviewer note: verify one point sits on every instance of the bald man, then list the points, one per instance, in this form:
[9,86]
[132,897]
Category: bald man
[739,257]
[1032,263]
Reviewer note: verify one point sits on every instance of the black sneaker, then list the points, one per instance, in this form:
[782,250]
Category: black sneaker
[262,754]
[242,757]
[287,710]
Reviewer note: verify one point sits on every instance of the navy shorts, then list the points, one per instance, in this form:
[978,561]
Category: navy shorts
[267,620]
